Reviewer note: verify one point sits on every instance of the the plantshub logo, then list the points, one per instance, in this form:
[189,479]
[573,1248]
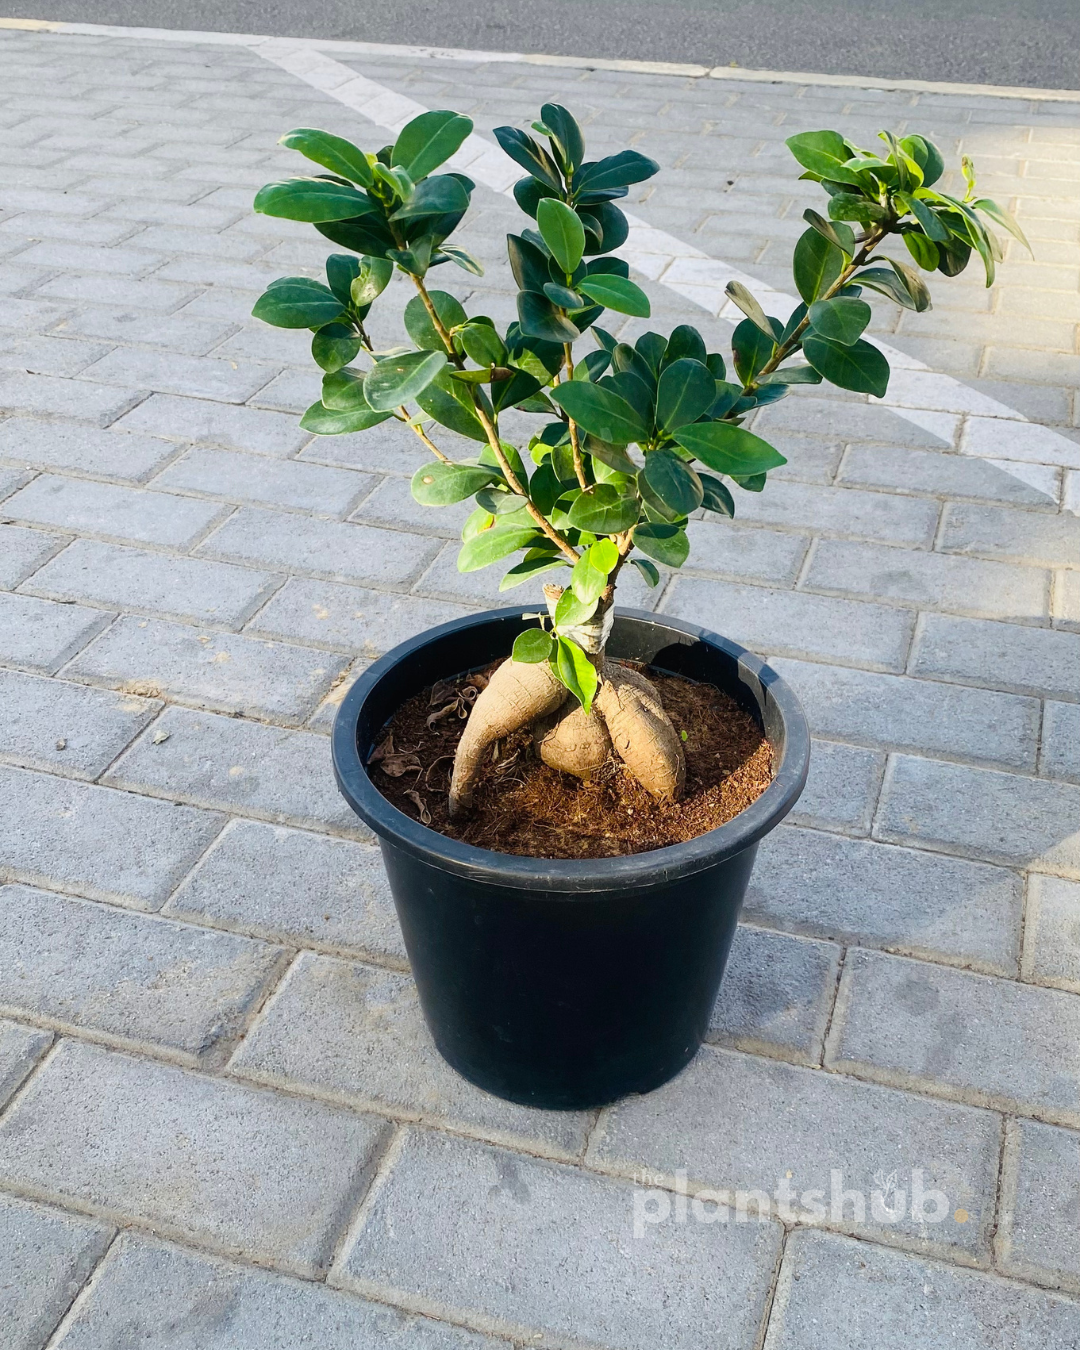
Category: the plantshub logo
[887,1202]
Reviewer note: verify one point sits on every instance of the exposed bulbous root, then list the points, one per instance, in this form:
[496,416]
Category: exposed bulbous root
[641,732]
[517,695]
[573,741]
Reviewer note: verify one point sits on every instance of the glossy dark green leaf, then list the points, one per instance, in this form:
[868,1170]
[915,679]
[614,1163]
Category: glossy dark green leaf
[441,484]
[823,153]
[924,252]
[532,156]
[668,544]
[648,571]
[628,360]
[686,391]
[729,449]
[546,487]
[816,264]
[953,258]
[482,344]
[787,375]
[341,270]
[715,496]
[565,128]
[628,166]
[538,318]
[933,228]
[754,483]
[332,152]
[488,546]
[462,259]
[850,206]
[739,295]
[528,264]
[835,231]
[859,366]
[751,350]
[509,393]
[606,227]
[396,379]
[913,283]
[498,501]
[673,480]
[326,422]
[603,510]
[419,325]
[368,234]
[651,348]
[618,293]
[334,346]
[843,320]
[343,391]
[298,302]
[592,365]
[613,457]
[450,403]
[886,282]
[600,411]
[684,341]
[310,200]
[428,141]
[533,646]
[562,231]
[438,196]
[563,297]
[928,157]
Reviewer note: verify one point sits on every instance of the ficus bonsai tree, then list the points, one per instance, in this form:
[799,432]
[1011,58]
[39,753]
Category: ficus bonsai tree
[630,439]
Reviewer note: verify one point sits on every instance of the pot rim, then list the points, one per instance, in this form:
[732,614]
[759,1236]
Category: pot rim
[568,876]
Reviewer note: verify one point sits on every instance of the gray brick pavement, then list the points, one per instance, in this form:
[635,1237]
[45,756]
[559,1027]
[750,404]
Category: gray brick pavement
[922,601]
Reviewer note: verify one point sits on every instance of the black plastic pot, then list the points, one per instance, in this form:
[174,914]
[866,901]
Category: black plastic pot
[567,984]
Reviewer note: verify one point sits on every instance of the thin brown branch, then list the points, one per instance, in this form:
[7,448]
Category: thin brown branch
[575,440]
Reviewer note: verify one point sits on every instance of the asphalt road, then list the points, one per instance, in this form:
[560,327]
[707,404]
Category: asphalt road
[1018,42]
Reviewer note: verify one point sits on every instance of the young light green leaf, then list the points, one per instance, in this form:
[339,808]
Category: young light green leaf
[603,555]
[311,199]
[571,610]
[534,645]
[529,568]
[1004,218]
[441,484]
[577,672]
[587,582]
[842,319]
[332,152]
[729,449]
[600,411]
[428,141]
[562,231]
[617,293]
[739,295]
[859,366]
[395,379]
[488,546]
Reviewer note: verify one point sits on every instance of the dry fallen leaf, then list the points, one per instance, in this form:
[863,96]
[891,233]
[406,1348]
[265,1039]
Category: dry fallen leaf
[425,814]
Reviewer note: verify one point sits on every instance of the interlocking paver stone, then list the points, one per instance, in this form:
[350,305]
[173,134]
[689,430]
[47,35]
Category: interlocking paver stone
[40,635]
[338,550]
[1024,536]
[20,1049]
[841,787]
[98,404]
[1039,1238]
[836,1294]
[892,466]
[992,590]
[135,977]
[170,373]
[67,727]
[237,477]
[238,1168]
[233,764]
[95,841]
[796,624]
[971,1036]
[845,511]
[477,1230]
[45,1258]
[895,712]
[225,672]
[176,332]
[723,549]
[84,507]
[922,904]
[23,551]
[776,994]
[71,445]
[194,589]
[162,1297]
[735,1122]
[1006,656]
[1052,933]
[194,419]
[1061,740]
[295,887]
[1004,817]
[356,1033]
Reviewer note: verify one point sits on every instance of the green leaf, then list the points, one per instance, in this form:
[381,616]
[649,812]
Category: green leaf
[618,293]
[334,346]
[326,422]
[482,344]
[684,341]
[823,153]
[533,646]
[751,350]
[562,231]
[393,380]
[668,544]
[816,264]
[740,296]
[603,510]
[488,546]
[341,270]
[563,297]
[620,170]
[298,302]
[885,281]
[841,319]
[566,130]
[715,496]
[451,405]
[571,610]
[332,152]
[754,483]
[530,567]
[933,228]
[532,156]
[673,480]
[729,449]
[924,252]
[686,391]
[611,456]
[859,366]
[418,323]
[835,231]
[600,411]
[513,392]
[587,582]
[538,318]
[954,257]
[499,502]
[850,206]
[789,375]
[343,391]
[311,200]
[443,195]
[428,141]
[1004,218]
[603,555]
[913,284]
[441,484]
[647,570]
[464,260]
[576,671]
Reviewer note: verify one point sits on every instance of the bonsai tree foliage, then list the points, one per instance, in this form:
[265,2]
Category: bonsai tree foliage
[630,439]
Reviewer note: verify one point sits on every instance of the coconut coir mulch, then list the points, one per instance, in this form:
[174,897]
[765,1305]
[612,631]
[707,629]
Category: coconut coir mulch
[522,806]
